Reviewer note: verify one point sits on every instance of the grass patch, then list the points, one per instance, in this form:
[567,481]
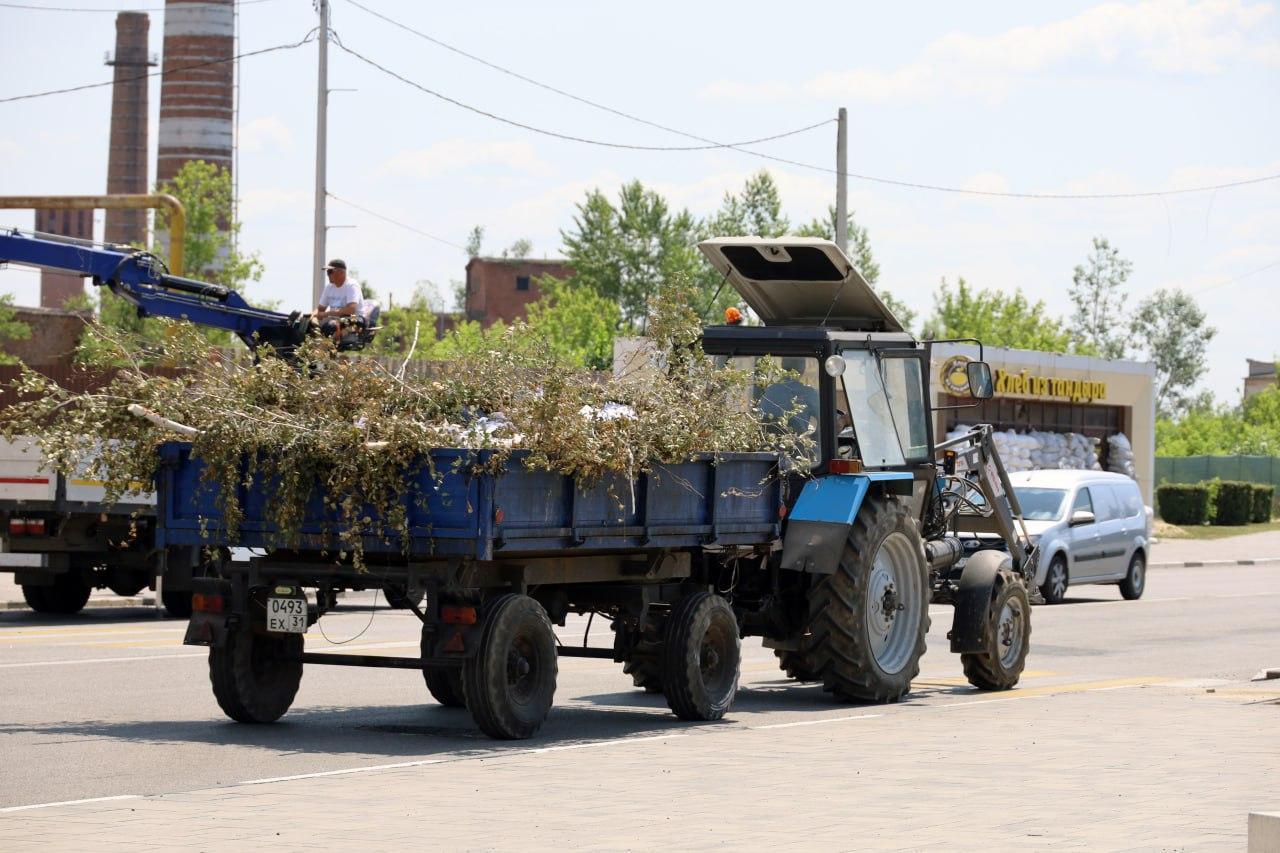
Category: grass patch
[1164,530]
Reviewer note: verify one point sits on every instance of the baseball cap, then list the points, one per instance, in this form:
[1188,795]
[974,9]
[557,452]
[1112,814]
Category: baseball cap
[336,264]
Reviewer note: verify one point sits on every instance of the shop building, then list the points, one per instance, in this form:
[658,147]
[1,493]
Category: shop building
[1088,402]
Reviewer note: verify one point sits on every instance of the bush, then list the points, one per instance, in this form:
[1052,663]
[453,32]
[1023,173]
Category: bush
[1183,503]
[1263,499]
[1233,503]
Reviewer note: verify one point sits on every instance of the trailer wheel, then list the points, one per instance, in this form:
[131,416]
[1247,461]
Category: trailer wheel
[1007,637]
[256,676]
[444,683]
[400,599]
[511,681]
[868,619]
[126,584]
[643,661]
[68,594]
[177,602]
[701,656]
[796,665]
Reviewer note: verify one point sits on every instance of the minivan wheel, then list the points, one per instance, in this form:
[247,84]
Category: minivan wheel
[1054,588]
[1136,580]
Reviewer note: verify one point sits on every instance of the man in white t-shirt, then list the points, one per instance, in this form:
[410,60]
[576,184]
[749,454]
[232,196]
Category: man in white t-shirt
[339,302]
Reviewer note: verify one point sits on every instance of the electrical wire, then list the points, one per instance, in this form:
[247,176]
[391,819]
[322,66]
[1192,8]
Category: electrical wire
[376,215]
[33,8]
[1207,288]
[307,39]
[567,136]
[811,166]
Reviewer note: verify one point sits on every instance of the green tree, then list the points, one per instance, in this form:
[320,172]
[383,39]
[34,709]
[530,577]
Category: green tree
[574,323]
[862,257]
[1097,292]
[995,318]
[211,250]
[756,211]
[475,242]
[397,333]
[1172,332]
[11,328]
[1252,428]
[519,250]
[624,252]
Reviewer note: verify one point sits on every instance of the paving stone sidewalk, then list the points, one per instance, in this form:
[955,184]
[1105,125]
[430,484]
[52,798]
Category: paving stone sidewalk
[1129,768]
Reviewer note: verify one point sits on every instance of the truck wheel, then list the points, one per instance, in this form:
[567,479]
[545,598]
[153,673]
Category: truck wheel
[177,602]
[444,683]
[868,619]
[126,584]
[1054,588]
[511,681]
[1008,637]
[701,655]
[256,676]
[1136,580]
[68,594]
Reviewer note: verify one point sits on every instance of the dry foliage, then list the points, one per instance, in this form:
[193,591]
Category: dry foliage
[359,431]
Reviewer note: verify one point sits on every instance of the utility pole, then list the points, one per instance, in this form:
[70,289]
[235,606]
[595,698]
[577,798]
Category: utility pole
[842,180]
[322,134]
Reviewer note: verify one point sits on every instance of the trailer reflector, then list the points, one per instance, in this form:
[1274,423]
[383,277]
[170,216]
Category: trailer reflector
[457,614]
[203,602]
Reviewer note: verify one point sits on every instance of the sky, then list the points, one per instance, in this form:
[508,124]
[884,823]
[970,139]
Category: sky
[1075,98]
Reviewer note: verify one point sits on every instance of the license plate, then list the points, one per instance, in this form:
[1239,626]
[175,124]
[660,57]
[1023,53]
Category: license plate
[287,615]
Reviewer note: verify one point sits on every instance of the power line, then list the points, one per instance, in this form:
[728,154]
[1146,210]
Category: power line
[310,37]
[800,164]
[566,136]
[376,215]
[1206,289]
[33,8]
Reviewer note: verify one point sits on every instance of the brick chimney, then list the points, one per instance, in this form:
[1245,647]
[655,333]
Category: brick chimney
[196,106]
[127,157]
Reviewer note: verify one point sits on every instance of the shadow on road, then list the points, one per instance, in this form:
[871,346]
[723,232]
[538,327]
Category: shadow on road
[88,617]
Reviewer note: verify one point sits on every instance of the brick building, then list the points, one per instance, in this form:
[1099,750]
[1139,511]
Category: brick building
[500,288]
[54,335]
[1262,375]
[57,287]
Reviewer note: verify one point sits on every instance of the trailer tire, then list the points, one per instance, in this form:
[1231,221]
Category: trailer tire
[399,599]
[701,656]
[256,676]
[1008,637]
[127,584]
[177,602]
[845,608]
[511,681]
[444,683]
[796,665]
[68,594]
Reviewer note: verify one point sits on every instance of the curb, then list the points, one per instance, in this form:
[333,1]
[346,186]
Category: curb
[1200,564]
[91,604]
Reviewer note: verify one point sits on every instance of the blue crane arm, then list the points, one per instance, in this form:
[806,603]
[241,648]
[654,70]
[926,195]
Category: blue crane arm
[140,278]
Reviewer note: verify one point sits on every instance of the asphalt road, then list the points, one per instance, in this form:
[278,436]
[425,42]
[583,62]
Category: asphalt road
[109,703]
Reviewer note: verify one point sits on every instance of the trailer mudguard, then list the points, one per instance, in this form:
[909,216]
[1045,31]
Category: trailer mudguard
[819,523]
[972,600]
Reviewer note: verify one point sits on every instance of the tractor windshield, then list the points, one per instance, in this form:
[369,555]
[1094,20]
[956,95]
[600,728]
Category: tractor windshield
[886,405]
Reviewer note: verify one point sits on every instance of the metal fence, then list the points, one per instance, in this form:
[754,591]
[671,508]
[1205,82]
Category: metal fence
[1194,469]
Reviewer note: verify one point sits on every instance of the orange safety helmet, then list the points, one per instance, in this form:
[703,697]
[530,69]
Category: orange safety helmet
[732,316]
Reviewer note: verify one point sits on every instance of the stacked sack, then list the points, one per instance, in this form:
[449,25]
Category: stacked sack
[1035,450]
[1120,456]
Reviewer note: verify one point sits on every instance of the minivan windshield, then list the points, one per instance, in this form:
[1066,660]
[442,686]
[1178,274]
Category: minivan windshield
[1040,504]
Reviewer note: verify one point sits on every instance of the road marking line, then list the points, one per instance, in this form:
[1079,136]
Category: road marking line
[815,722]
[610,742]
[344,772]
[96,660]
[70,803]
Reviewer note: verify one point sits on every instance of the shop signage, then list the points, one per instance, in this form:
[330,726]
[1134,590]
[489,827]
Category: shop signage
[1022,384]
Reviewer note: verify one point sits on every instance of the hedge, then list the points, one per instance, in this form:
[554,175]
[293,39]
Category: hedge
[1263,499]
[1183,503]
[1234,503]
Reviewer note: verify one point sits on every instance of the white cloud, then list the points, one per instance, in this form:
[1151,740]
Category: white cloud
[265,133]
[267,201]
[1157,35]
[10,150]
[451,156]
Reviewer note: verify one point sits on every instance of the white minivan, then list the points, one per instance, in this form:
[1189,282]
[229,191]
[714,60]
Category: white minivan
[1092,527]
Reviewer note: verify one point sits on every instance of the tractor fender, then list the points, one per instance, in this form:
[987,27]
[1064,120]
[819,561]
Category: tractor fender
[972,600]
[818,526]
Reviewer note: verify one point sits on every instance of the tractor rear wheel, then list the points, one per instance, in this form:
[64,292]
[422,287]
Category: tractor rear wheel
[868,619]
[1007,637]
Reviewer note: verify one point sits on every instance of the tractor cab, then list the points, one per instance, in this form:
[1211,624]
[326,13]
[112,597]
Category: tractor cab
[858,381]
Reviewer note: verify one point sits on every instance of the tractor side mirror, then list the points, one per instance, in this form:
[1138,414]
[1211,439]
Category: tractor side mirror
[1081,516]
[980,385]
